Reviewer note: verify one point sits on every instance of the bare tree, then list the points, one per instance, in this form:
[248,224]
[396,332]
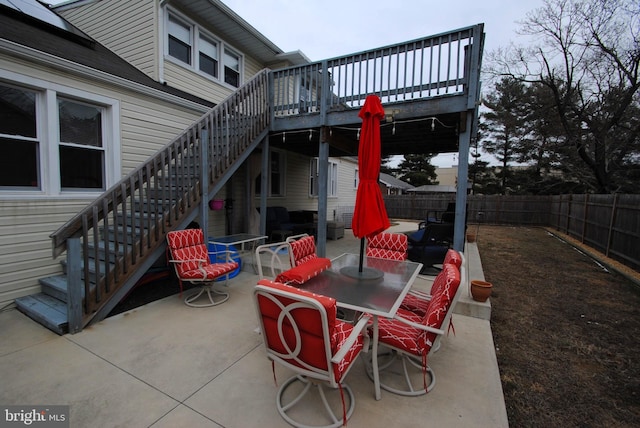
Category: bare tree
[587,53]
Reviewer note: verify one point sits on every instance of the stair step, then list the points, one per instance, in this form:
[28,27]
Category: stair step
[46,310]
[137,217]
[55,286]
[92,268]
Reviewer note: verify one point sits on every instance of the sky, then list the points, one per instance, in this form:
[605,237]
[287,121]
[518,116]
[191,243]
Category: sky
[324,29]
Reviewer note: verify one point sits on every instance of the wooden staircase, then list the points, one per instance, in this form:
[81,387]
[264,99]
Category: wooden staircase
[117,238]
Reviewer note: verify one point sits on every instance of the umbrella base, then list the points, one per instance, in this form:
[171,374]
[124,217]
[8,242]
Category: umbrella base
[366,273]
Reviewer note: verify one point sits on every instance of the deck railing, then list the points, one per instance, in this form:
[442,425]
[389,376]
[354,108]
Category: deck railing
[108,239]
[435,66]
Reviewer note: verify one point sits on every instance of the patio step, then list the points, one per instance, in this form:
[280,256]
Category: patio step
[46,310]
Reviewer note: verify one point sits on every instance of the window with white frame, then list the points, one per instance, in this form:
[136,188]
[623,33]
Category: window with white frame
[20,160]
[276,183]
[180,36]
[81,148]
[208,56]
[194,47]
[332,178]
[39,158]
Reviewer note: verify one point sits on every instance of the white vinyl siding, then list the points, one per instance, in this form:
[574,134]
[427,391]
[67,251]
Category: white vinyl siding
[332,178]
[191,82]
[126,28]
[143,125]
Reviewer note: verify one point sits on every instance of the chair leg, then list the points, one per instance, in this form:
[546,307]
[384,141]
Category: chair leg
[210,301]
[329,397]
[401,374]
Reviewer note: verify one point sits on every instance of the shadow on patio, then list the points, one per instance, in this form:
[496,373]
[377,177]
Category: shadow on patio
[166,365]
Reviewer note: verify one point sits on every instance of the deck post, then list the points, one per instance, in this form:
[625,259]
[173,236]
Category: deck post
[204,181]
[323,163]
[74,285]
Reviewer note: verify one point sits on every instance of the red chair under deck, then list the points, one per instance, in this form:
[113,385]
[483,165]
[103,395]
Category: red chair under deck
[301,332]
[190,258]
[411,338]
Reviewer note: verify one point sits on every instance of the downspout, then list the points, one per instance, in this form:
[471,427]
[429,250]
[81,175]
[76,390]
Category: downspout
[160,38]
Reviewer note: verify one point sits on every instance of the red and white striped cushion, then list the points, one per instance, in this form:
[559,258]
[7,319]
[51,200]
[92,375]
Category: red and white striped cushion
[387,245]
[188,245]
[303,250]
[413,340]
[304,271]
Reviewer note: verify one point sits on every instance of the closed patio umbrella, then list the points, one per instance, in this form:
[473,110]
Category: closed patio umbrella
[370,215]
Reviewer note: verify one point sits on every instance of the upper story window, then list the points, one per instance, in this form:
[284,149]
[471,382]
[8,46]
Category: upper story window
[53,141]
[209,57]
[231,68]
[180,37]
[196,48]
[332,178]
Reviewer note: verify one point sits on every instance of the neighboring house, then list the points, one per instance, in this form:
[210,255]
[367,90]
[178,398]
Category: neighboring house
[447,176]
[433,188]
[389,185]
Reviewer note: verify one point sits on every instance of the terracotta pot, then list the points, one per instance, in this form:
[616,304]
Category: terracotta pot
[480,290]
[471,237]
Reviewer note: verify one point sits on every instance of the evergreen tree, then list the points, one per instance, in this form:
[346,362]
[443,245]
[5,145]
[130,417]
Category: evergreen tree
[504,126]
[417,170]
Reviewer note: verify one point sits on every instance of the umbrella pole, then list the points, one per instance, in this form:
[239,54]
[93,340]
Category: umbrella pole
[361,254]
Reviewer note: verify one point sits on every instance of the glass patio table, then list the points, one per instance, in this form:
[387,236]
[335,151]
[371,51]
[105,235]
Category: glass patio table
[244,243]
[380,296]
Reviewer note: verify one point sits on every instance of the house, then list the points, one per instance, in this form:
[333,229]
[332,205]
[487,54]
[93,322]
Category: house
[167,105]
[389,185]
[75,118]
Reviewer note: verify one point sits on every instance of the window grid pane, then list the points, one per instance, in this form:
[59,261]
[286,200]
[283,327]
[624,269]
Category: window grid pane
[20,160]
[179,40]
[81,156]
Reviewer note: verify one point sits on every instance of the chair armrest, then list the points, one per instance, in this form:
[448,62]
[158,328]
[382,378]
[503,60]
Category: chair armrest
[419,326]
[275,261]
[358,329]
[420,294]
[188,260]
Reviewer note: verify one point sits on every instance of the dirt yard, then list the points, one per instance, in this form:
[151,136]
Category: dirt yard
[565,331]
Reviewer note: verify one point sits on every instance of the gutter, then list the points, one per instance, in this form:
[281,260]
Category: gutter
[33,55]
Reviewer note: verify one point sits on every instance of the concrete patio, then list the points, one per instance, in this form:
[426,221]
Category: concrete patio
[169,365]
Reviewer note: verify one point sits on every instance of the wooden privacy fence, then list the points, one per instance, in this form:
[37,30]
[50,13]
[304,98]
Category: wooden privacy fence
[607,223]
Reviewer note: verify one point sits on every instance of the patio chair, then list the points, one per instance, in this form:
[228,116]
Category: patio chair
[410,338]
[429,245]
[191,261]
[305,263]
[387,245]
[273,258]
[301,332]
[417,301]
